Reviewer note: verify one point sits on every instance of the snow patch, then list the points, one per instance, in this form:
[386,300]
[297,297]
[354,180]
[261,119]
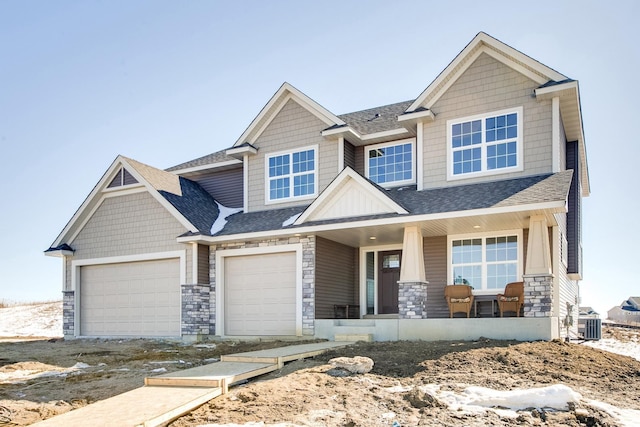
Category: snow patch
[223,213]
[626,417]
[32,320]
[628,348]
[291,220]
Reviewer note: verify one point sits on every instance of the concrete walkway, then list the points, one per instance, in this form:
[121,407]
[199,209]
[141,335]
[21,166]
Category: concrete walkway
[169,396]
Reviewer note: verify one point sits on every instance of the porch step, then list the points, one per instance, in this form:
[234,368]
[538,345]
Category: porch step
[353,337]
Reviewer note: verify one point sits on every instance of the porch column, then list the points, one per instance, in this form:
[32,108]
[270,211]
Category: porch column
[538,277]
[412,286]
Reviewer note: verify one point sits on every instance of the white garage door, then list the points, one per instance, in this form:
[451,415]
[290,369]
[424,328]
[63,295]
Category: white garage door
[260,294]
[130,299]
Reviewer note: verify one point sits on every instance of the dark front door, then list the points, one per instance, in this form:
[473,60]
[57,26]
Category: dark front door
[388,276]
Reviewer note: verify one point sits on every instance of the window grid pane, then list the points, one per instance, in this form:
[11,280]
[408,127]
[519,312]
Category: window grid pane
[297,168]
[499,263]
[391,164]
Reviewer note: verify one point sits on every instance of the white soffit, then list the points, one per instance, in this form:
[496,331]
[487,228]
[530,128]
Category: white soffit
[349,195]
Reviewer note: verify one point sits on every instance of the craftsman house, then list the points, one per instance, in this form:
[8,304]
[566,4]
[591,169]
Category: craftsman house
[314,224]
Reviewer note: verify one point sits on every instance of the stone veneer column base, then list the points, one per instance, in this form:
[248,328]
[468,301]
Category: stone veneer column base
[412,300]
[538,295]
[69,313]
[195,310]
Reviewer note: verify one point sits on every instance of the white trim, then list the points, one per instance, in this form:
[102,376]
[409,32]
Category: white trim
[483,43]
[555,134]
[76,264]
[329,192]
[363,274]
[541,91]
[245,183]
[64,273]
[369,148]
[340,154]
[384,134]
[124,190]
[194,263]
[398,132]
[416,115]
[341,130]
[554,206]
[291,93]
[220,279]
[484,236]
[483,146]
[291,198]
[420,156]
[205,167]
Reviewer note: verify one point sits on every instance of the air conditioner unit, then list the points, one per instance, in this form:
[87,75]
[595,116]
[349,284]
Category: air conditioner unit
[592,329]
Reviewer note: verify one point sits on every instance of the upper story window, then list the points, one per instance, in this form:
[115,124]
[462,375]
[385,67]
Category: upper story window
[484,145]
[292,175]
[486,262]
[391,163]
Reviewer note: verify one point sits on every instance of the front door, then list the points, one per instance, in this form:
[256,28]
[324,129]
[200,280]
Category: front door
[388,276]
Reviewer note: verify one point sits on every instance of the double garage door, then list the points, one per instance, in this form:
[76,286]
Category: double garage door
[260,294]
[130,299]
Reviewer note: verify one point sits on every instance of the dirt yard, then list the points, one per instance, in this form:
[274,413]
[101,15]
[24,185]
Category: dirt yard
[310,393]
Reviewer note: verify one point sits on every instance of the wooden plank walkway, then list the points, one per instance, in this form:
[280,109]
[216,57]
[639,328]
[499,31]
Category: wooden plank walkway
[169,396]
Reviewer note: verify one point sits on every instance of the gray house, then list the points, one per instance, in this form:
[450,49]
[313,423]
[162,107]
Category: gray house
[627,312]
[314,224]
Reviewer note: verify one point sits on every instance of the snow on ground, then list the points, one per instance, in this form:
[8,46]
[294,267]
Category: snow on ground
[32,320]
[629,348]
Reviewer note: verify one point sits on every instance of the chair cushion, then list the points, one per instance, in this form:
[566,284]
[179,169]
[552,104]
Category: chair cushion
[509,299]
[467,299]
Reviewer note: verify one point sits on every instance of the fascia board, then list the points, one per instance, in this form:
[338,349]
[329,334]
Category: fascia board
[496,49]
[206,167]
[427,115]
[328,193]
[97,189]
[285,91]
[384,134]
[553,207]
[58,254]
[345,131]
[156,195]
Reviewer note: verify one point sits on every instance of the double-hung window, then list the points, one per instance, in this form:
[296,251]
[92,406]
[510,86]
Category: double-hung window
[485,145]
[292,175]
[487,263]
[391,163]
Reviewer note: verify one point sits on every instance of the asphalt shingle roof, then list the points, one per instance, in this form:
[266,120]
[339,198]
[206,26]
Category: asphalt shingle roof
[511,192]
[217,157]
[195,204]
[378,119]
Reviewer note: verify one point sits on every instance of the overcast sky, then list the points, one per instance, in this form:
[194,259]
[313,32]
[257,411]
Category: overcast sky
[164,82]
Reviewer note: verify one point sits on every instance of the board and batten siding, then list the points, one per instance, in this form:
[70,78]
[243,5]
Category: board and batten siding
[225,186]
[335,284]
[292,128]
[130,224]
[487,86]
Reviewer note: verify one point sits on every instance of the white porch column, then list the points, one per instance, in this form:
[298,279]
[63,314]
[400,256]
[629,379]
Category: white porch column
[412,286]
[538,277]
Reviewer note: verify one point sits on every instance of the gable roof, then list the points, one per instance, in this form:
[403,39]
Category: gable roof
[189,203]
[217,159]
[273,107]
[484,43]
[349,195]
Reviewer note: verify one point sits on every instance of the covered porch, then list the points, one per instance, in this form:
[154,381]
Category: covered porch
[388,281]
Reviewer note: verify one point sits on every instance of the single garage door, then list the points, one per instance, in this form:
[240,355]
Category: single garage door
[260,294]
[130,299]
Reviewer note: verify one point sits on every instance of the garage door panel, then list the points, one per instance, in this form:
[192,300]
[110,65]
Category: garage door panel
[260,294]
[131,299]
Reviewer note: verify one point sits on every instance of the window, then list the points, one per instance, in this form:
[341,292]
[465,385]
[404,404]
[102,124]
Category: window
[486,263]
[292,175]
[486,144]
[391,163]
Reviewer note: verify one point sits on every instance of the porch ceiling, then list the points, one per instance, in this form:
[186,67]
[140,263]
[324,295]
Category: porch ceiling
[389,234]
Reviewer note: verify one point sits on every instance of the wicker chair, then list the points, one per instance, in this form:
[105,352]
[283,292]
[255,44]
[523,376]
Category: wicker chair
[512,299]
[459,298]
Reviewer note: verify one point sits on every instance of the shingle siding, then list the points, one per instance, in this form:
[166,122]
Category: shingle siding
[130,224]
[293,127]
[487,86]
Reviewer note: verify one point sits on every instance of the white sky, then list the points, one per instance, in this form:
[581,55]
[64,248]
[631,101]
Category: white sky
[166,81]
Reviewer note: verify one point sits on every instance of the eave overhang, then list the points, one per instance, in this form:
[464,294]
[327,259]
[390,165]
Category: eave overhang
[410,119]
[357,139]
[240,151]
